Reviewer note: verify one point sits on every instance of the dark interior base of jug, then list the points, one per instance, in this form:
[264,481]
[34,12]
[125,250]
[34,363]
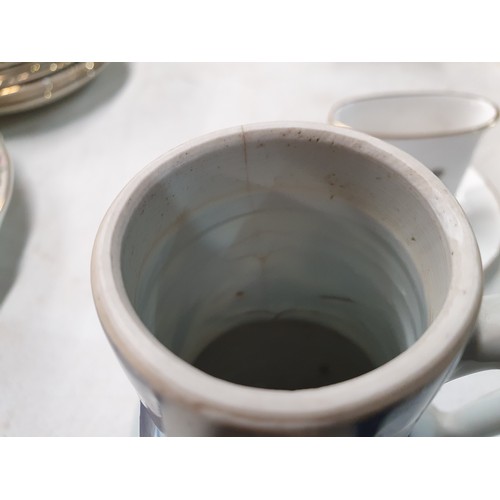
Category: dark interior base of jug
[283,354]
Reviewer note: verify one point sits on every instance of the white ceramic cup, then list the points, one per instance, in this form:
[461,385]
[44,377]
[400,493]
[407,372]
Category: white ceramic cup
[286,226]
[441,129]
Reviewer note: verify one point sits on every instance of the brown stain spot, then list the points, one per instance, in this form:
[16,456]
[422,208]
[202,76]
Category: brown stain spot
[331,179]
[262,259]
[181,218]
[260,145]
[239,294]
[332,196]
[413,238]
[337,298]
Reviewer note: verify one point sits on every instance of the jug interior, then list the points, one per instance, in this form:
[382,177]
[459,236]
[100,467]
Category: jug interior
[284,262]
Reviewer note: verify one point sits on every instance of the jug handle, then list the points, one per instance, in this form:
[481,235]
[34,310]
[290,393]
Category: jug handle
[480,417]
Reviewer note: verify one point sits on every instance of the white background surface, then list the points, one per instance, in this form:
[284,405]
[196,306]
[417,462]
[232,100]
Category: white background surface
[58,375]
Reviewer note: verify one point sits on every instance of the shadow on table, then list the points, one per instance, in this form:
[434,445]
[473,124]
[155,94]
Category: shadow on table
[85,100]
[13,236]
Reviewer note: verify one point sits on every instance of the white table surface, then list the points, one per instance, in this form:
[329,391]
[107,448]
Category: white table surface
[58,375]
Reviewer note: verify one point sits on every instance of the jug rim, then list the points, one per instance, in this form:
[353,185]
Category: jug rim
[168,376]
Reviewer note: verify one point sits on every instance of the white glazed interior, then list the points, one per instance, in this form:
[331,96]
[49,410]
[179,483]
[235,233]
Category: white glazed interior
[298,220]
[230,239]
[404,116]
